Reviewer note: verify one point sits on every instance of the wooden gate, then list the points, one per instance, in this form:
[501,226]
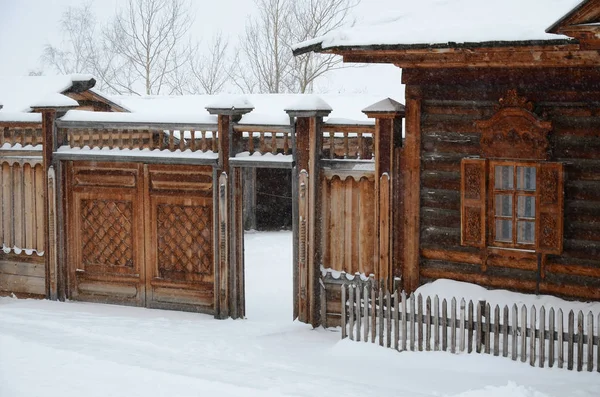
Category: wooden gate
[141,234]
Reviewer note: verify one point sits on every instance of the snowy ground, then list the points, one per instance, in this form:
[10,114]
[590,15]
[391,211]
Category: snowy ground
[79,349]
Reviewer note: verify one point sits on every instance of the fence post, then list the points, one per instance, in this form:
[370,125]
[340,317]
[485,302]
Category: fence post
[388,115]
[231,265]
[307,118]
[50,142]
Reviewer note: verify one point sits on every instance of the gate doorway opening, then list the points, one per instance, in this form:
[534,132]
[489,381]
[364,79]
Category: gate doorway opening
[268,243]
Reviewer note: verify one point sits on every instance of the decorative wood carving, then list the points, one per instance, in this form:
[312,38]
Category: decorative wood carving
[473,202]
[550,211]
[184,243]
[472,181]
[106,238]
[514,131]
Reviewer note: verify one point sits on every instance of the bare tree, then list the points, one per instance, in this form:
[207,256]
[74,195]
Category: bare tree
[265,48]
[314,18]
[150,36]
[78,25]
[211,71]
[266,62]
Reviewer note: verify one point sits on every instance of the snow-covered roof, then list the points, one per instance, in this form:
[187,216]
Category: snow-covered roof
[438,22]
[21,93]
[269,109]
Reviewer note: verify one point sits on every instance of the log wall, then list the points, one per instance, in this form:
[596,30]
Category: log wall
[451,103]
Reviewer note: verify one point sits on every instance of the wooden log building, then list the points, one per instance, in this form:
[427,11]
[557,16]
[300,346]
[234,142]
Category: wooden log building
[496,181]
[499,173]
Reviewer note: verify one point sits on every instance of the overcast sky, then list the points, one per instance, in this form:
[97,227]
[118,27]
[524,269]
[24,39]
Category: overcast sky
[27,25]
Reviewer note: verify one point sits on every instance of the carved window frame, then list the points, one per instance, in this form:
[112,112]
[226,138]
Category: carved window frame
[515,192]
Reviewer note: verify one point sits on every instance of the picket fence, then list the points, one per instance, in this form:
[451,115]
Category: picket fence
[402,323]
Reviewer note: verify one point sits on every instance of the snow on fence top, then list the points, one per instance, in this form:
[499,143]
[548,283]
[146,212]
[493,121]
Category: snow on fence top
[20,93]
[269,109]
[430,22]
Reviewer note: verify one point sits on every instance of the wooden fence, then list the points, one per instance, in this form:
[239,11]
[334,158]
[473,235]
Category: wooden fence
[402,323]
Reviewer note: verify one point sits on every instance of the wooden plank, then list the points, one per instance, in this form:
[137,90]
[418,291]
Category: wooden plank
[428,324]
[23,284]
[358,312]
[580,341]
[351,312]
[396,320]
[380,315]
[505,331]
[461,336]
[479,328]
[420,322]
[412,178]
[570,340]
[542,337]
[532,352]
[523,333]
[515,327]
[373,311]
[28,208]
[487,328]
[366,312]
[344,314]
[39,208]
[444,325]
[366,226]
[551,337]
[7,204]
[348,214]
[436,323]
[412,322]
[404,322]
[388,319]
[496,330]
[590,342]
[337,224]
[453,325]
[560,341]
[470,328]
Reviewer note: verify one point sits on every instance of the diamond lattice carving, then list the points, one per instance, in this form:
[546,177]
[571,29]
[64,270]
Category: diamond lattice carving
[107,233]
[184,240]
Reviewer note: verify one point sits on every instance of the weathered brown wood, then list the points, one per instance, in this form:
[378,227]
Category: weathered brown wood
[344,314]
[412,320]
[580,341]
[590,341]
[420,322]
[532,344]
[570,340]
[496,330]
[412,176]
[560,340]
[523,333]
[542,336]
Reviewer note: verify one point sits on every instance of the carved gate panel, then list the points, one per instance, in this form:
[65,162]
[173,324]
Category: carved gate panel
[105,232]
[141,235]
[180,235]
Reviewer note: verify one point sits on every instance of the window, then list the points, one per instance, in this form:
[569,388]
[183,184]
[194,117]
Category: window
[512,204]
[513,187]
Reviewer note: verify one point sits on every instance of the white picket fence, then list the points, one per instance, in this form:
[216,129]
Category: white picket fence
[402,323]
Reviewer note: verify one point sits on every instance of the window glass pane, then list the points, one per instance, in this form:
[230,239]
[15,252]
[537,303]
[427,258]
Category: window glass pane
[526,178]
[504,205]
[525,232]
[504,230]
[526,207]
[504,177]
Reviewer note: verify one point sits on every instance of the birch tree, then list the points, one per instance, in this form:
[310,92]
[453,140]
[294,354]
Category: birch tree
[151,37]
[266,61]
